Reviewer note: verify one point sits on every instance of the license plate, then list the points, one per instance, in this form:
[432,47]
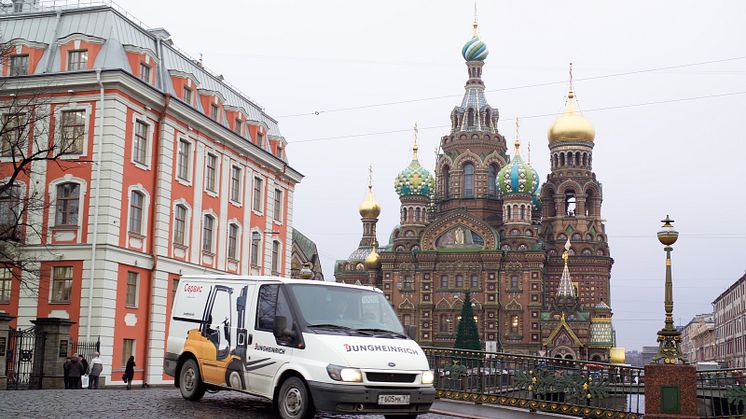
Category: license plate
[393,399]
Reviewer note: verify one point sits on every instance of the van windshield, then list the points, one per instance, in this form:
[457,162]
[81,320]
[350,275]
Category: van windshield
[340,308]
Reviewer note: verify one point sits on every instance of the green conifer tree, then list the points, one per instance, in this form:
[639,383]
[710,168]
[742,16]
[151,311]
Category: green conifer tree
[467,335]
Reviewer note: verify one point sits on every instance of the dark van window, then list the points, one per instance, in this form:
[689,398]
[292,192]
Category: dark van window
[272,302]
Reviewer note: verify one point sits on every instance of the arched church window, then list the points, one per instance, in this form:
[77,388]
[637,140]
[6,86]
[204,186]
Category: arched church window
[470,118]
[562,159]
[459,281]
[523,212]
[577,158]
[488,118]
[586,252]
[510,212]
[446,187]
[468,180]
[570,203]
[492,180]
[417,214]
[576,237]
[522,247]
[514,324]
[404,215]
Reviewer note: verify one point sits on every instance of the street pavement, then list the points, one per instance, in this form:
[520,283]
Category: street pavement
[166,402]
[138,404]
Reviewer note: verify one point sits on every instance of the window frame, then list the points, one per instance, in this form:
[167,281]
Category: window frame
[14,138]
[66,284]
[66,200]
[141,143]
[278,210]
[236,177]
[135,219]
[6,285]
[208,240]
[10,206]
[65,124]
[183,161]
[468,184]
[180,236]
[234,232]
[131,343]
[12,65]
[81,63]
[214,111]
[132,303]
[258,195]
[188,95]
[275,265]
[146,74]
[211,173]
[255,250]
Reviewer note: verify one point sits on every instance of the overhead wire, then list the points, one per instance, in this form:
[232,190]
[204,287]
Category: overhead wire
[504,89]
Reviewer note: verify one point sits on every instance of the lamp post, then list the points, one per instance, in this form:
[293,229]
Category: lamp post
[669,339]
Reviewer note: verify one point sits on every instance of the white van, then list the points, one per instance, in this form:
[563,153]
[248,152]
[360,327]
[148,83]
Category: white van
[305,345]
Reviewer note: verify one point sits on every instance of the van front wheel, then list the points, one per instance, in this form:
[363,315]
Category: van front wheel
[190,381]
[293,400]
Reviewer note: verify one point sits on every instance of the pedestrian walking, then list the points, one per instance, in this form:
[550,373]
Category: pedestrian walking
[129,371]
[96,367]
[84,378]
[75,372]
[66,372]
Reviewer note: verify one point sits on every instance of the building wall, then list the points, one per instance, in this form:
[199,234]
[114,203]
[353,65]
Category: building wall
[730,325]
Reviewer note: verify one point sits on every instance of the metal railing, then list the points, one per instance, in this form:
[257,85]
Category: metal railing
[87,349]
[721,393]
[569,387]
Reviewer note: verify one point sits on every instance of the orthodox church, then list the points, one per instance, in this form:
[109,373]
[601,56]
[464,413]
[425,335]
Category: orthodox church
[534,258]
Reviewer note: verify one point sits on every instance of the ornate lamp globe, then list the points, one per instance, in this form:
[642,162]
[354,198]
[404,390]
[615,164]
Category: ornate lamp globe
[667,235]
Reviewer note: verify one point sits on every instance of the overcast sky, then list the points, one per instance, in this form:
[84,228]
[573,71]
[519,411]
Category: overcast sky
[686,158]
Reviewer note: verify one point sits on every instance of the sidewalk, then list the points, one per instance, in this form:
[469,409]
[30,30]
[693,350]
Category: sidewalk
[482,411]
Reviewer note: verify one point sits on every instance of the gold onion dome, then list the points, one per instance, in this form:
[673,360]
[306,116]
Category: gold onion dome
[571,126]
[369,208]
[373,260]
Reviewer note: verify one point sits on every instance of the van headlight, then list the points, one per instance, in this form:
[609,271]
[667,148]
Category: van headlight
[350,375]
[427,377]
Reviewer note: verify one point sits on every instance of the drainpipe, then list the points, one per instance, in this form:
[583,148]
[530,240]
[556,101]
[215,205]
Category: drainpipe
[97,162]
[499,281]
[152,250]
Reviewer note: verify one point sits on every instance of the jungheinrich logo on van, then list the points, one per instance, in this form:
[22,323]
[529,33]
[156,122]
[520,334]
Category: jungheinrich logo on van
[379,348]
[271,349]
[190,288]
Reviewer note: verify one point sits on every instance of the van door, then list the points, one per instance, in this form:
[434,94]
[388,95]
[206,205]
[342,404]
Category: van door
[268,353]
[217,330]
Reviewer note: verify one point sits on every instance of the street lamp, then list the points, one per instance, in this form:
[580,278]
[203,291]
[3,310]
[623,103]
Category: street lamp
[669,339]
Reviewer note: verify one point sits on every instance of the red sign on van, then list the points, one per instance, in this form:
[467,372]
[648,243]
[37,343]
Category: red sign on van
[191,288]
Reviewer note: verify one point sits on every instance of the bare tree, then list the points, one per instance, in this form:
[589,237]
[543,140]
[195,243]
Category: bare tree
[26,140]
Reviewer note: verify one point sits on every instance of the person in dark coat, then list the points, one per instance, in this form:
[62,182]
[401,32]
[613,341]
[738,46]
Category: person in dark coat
[129,371]
[66,372]
[75,371]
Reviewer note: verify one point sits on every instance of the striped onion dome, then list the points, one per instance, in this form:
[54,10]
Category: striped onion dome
[474,49]
[518,176]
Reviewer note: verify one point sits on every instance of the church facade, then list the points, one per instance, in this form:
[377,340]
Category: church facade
[534,257]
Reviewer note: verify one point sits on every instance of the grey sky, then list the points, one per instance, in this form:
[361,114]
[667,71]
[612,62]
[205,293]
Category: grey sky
[685,158]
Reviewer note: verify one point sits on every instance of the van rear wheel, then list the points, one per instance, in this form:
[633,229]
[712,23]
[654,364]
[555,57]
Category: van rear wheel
[294,400]
[190,381]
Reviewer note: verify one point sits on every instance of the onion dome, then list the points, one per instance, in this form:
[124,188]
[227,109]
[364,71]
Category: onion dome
[474,49]
[571,126]
[518,176]
[414,180]
[369,208]
[373,260]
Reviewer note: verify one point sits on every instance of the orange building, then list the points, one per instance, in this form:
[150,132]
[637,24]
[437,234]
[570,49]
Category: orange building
[173,171]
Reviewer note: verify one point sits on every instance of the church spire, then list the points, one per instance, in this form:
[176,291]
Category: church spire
[565,289]
[415,147]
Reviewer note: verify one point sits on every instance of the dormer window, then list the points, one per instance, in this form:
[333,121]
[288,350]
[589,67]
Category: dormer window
[259,139]
[145,72]
[239,126]
[77,60]
[187,95]
[18,65]
[214,109]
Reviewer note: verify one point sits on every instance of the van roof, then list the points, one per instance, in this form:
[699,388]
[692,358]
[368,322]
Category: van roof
[272,279]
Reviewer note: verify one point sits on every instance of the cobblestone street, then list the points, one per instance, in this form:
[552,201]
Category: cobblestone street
[140,404]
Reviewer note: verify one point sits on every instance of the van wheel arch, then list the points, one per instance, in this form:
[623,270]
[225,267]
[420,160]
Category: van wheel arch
[285,375]
[182,359]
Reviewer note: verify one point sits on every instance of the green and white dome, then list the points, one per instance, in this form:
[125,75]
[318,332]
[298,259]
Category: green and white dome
[475,50]
[518,176]
[414,180]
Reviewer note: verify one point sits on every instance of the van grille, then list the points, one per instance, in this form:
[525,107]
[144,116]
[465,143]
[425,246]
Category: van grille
[390,377]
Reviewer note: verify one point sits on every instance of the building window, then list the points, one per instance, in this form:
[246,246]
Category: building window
[459,281]
[275,257]
[72,132]
[174,288]
[12,142]
[407,320]
[474,281]
[10,211]
[145,72]
[443,323]
[62,284]
[68,200]
[140,149]
[210,173]
[137,199]
[238,127]
[258,190]
[208,226]
[183,157]
[235,184]
[187,95]
[6,280]
[130,298]
[128,350]
[180,224]
[77,60]
[278,205]
[214,109]
[444,281]
[514,324]
[18,65]
[492,180]
[233,241]
[469,180]
[256,239]
[260,139]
